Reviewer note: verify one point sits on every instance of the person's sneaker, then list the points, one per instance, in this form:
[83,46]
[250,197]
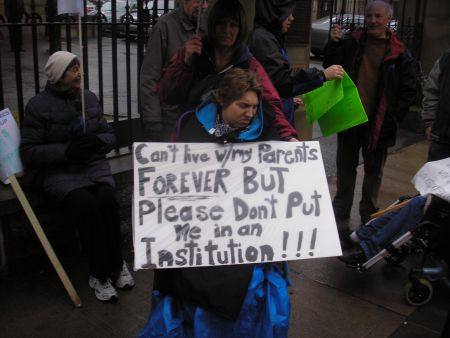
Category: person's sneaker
[124,280]
[104,290]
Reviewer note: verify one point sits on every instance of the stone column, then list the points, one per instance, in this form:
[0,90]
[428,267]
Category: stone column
[436,32]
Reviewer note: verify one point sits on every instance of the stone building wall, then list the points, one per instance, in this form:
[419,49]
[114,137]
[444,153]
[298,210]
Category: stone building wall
[436,35]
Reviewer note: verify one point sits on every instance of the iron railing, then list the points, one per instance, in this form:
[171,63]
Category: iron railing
[112,48]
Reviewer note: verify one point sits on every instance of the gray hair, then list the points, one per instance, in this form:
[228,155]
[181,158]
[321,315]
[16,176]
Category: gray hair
[387,5]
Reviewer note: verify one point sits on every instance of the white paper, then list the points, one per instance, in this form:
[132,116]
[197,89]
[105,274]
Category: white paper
[434,178]
[10,162]
[203,204]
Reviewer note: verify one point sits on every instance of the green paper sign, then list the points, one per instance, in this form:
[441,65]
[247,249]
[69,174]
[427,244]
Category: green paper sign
[333,114]
[321,100]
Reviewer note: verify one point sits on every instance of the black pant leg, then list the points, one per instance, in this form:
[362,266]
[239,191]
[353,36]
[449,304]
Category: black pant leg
[95,213]
[347,158]
[109,209]
[438,151]
[374,161]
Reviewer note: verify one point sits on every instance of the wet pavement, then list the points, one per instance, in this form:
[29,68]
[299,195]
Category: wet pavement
[328,299]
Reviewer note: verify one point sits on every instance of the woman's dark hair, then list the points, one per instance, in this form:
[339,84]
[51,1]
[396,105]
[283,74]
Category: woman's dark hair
[234,84]
[224,10]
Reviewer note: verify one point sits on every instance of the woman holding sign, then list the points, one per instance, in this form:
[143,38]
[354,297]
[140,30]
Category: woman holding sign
[64,154]
[199,65]
[247,300]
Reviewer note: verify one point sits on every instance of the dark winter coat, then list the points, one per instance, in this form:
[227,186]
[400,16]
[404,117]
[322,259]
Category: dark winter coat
[52,120]
[436,101]
[396,87]
[188,86]
[166,37]
[219,289]
[266,43]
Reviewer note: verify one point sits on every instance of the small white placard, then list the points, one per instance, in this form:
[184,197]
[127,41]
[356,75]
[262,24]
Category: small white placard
[10,162]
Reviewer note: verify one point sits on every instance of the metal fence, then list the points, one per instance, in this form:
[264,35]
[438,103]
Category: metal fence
[113,37]
[113,42]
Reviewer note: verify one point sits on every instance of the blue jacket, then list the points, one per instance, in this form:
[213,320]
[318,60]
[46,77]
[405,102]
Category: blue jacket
[219,289]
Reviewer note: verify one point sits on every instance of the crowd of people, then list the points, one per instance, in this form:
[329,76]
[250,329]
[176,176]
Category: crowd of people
[229,81]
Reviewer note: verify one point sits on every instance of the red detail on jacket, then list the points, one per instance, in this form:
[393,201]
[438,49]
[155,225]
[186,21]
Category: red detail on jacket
[177,75]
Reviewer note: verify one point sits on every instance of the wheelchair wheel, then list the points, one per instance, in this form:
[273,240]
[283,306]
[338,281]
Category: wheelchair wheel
[419,293]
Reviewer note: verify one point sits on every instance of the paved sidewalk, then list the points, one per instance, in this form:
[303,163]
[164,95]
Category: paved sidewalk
[328,299]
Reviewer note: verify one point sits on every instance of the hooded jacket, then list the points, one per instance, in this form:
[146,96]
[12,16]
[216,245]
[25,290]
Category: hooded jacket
[266,43]
[167,36]
[396,87]
[189,86]
[198,126]
[219,289]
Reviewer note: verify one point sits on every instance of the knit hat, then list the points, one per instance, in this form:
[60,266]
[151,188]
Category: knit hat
[57,65]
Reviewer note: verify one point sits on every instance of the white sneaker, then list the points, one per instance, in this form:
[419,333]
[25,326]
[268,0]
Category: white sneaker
[125,280]
[104,290]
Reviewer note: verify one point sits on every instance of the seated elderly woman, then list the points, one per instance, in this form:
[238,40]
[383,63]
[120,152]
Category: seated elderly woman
[247,300]
[64,155]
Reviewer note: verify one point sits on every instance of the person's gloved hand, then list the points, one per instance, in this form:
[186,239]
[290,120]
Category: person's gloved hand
[82,147]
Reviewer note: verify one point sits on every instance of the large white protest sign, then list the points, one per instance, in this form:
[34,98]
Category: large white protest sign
[434,178]
[10,162]
[203,204]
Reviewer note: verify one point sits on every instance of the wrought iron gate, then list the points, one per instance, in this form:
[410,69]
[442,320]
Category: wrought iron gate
[112,45]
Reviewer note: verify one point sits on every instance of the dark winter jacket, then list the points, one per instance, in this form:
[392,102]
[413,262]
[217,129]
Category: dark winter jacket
[436,100]
[166,37]
[396,87]
[266,43]
[219,289]
[188,86]
[52,120]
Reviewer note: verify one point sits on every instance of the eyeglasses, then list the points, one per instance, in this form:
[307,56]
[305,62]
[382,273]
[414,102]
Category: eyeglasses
[74,69]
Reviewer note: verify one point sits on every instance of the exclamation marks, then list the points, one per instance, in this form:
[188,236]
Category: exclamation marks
[285,240]
[313,242]
[299,243]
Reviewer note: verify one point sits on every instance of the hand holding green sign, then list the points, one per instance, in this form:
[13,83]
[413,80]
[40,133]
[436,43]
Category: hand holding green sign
[336,106]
